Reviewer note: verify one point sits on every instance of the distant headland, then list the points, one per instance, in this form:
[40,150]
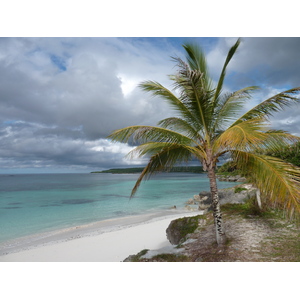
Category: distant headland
[190,169]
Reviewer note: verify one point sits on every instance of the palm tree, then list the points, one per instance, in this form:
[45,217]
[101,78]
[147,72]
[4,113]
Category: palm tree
[209,124]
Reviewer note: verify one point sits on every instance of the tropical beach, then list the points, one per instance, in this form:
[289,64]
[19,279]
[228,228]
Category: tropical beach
[35,209]
[254,237]
[206,126]
[107,241]
[62,97]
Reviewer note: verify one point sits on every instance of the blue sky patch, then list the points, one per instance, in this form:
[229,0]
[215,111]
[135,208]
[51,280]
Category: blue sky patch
[58,62]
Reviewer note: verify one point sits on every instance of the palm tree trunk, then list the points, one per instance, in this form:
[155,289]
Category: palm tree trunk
[220,234]
[258,198]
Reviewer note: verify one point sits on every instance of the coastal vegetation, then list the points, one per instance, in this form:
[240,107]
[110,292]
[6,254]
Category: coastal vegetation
[228,168]
[187,169]
[289,153]
[255,236]
[210,123]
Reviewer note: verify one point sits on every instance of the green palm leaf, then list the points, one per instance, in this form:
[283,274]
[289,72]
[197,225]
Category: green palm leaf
[277,180]
[274,104]
[156,89]
[182,126]
[277,139]
[141,133]
[151,148]
[223,73]
[164,157]
[248,135]
[229,106]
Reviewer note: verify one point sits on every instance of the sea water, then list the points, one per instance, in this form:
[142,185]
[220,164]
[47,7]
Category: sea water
[35,203]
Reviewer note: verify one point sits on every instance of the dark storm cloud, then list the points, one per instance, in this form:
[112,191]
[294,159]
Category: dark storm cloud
[85,90]
[272,64]
[60,97]
[267,61]
[29,145]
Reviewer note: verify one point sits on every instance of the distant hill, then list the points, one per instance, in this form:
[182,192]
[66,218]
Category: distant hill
[139,170]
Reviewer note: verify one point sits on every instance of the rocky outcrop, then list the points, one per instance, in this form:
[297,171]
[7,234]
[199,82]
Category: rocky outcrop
[236,178]
[237,194]
[179,229]
[198,202]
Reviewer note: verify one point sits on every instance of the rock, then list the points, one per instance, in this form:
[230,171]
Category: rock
[130,258]
[204,201]
[197,198]
[179,229]
[192,207]
[136,257]
[189,241]
[199,259]
[204,198]
[190,201]
[241,179]
[228,195]
[235,178]
[203,206]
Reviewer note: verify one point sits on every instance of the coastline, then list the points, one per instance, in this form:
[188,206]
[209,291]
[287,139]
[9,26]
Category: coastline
[105,241]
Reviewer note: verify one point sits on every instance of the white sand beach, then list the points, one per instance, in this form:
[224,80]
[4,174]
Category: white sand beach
[110,244]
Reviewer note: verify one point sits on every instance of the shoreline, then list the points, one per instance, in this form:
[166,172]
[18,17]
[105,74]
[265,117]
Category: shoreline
[109,240]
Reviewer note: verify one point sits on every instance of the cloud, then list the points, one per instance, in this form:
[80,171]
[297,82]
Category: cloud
[269,61]
[68,92]
[61,97]
[82,86]
[32,145]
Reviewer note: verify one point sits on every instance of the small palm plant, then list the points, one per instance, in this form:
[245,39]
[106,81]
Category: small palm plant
[208,124]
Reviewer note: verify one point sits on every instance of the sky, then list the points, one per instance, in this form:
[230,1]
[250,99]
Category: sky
[61,97]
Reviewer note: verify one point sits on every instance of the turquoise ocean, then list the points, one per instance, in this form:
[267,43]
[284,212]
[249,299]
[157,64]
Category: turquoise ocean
[36,203]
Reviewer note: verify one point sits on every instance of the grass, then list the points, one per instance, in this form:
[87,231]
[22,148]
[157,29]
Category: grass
[137,257]
[285,247]
[239,189]
[244,209]
[283,244]
[169,257]
[164,257]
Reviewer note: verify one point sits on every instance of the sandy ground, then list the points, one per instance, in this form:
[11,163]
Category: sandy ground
[112,246]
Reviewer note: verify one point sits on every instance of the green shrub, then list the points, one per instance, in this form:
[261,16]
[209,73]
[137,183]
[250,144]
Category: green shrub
[228,168]
[239,189]
[169,257]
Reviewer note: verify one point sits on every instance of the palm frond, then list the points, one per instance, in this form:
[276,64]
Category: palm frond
[152,148]
[180,125]
[229,105]
[194,94]
[156,89]
[164,157]
[277,180]
[277,139]
[248,136]
[197,61]
[149,133]
[274,104]
[223,73]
